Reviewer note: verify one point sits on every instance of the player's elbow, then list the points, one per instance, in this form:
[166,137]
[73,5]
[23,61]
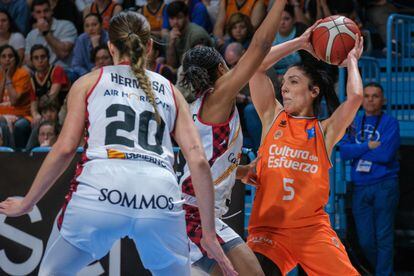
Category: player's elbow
[262,42]
[355,98]
[64,148]
[199,164]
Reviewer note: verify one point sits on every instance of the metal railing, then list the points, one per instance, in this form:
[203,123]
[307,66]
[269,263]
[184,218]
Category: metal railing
[400,67]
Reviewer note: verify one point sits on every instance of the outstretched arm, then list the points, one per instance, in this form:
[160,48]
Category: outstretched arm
[228,86]
[61,154]
[187,137]
[261,88]
[335,126]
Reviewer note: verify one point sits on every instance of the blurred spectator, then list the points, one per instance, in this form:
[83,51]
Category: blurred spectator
[377,12]
[93,36]
[105,8]
[47,80]
[67,10]
[317,9]
[48,133]
[83,4]
[19,10]
[239,29]
[10,35]
[288,30]
[155,63]
[183,34]
[1,137]
[153,11]
[372,145]
[101,57]
[57,35]
[16,94]
[48,109]
[197,13]
[255,9]
[251,125]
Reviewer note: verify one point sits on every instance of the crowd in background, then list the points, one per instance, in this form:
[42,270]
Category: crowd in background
[45,45]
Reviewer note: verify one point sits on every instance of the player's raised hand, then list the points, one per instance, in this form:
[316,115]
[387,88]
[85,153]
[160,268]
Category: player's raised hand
[355,53]
[14,207]
[306,39]
[214,251]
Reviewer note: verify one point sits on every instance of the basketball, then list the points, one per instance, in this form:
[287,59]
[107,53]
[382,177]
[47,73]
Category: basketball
[333,38]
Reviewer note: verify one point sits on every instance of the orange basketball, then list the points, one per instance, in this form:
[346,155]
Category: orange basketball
[333,38]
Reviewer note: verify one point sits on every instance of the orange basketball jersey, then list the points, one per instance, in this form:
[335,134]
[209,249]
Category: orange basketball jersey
[293,177]
[233,7]
[106,14]
[154,18]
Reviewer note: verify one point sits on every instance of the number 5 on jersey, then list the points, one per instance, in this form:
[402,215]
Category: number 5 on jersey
[290,191]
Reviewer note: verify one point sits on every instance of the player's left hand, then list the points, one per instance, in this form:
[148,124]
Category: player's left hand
[306,39]
[251,176]
[214,251]
[13,207]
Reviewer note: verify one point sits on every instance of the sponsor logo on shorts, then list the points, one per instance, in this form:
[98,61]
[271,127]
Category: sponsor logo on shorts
[123,199]
[261,239]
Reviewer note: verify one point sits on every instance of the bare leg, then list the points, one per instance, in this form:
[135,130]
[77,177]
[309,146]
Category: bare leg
[243,260]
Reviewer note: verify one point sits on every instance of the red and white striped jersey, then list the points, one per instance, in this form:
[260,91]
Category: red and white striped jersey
[222,144]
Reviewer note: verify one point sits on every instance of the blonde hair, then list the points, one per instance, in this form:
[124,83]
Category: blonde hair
[130,33]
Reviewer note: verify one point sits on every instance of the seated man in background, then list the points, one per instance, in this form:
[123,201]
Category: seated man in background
[57,35]
[48,133]
[47,80]
[183,34]
[372,145]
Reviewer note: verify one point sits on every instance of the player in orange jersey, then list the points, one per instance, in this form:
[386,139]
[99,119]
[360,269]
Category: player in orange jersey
[288,225]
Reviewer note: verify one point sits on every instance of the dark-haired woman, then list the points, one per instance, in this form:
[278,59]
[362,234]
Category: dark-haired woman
[288,224]
[9,34]
[217,120]
[16,95]
[125,184]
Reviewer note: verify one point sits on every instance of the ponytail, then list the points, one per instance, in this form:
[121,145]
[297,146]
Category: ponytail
[130,33]
[200,65]
[136,50]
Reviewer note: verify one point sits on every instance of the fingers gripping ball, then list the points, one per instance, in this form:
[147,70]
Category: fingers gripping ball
[333,38]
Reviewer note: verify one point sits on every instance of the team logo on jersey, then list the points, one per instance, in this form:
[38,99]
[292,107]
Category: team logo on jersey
[278,134]
[311,133]
[283,123]
[335,241]
[115,154]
